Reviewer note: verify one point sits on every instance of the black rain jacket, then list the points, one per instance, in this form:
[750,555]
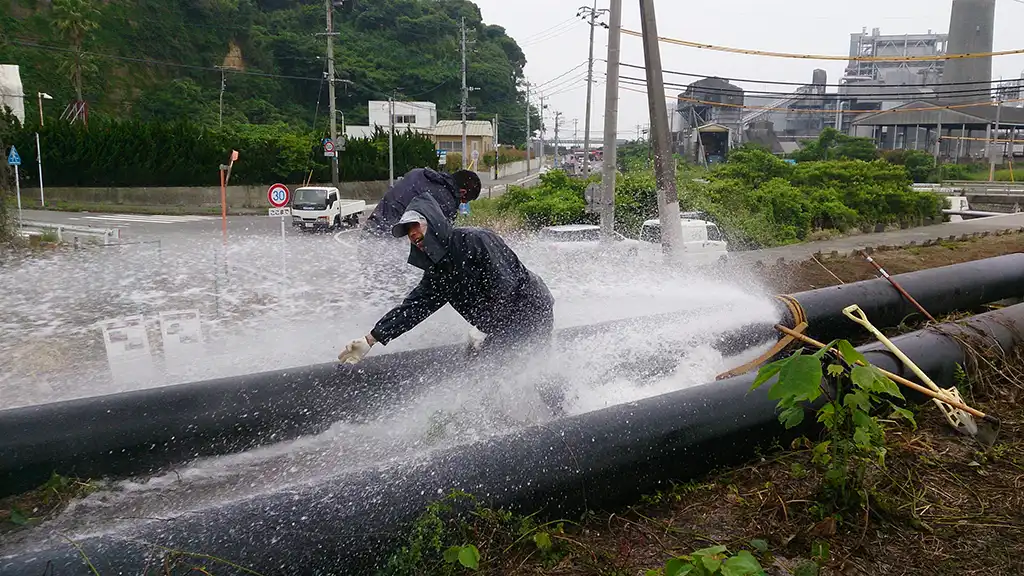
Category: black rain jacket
[478,274]
[441,187]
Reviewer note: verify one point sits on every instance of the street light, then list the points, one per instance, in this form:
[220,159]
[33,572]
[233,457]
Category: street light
[42,96]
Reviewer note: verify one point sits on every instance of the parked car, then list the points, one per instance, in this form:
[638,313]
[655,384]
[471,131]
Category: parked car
[583,237]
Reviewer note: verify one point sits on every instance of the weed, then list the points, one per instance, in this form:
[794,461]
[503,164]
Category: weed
[713,561]
[854,437]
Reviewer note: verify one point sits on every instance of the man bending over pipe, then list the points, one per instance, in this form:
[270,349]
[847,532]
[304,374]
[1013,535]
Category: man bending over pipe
[449,190]
[475,272]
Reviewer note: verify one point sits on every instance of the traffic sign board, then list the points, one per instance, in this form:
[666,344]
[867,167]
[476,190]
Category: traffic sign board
[279,211]
[279,195]
[13,158]
[476,154]
[328,148]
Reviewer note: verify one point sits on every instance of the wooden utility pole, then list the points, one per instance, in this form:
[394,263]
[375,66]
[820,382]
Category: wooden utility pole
[661,138]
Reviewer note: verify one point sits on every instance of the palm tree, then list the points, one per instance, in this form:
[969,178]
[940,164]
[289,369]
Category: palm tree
[74,19]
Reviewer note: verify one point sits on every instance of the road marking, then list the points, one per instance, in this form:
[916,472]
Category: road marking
[150,219]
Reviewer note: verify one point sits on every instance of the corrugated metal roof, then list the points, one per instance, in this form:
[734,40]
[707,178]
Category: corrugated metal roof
[475,128]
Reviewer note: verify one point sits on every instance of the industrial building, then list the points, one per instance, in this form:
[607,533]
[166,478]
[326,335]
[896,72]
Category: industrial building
[959,117]
[944,106]
[708,120]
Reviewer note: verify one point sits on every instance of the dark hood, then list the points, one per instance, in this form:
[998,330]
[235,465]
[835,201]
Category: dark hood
[438,237]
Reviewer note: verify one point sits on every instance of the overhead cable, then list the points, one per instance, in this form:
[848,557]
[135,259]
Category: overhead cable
[716,48]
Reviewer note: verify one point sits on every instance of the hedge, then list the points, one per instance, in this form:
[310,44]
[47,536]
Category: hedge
[134,153]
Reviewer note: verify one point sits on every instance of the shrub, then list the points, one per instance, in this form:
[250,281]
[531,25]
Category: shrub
[920,165]
[557,200]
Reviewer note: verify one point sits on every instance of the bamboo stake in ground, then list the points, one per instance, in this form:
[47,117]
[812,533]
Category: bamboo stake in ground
[897,286]
[895,378]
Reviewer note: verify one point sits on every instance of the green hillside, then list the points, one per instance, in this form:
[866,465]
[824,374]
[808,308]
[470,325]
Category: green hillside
[158,59]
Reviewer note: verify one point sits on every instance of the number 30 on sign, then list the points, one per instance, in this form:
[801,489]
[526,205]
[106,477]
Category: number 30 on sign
[278,195]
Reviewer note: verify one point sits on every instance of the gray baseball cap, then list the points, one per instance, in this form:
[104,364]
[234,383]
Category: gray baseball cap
[401,229]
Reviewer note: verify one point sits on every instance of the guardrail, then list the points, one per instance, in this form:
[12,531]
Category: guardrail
[107,234]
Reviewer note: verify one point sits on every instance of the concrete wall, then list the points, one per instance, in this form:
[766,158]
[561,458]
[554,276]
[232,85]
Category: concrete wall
[237,196]
[509,170]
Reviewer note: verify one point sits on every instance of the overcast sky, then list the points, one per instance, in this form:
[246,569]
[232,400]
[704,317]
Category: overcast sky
[801,26]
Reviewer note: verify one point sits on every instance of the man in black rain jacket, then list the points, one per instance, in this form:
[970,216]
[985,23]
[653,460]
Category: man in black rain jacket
[474,271]
[449,190]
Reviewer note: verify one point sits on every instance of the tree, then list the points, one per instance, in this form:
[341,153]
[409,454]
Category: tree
[832,145]
[74,19]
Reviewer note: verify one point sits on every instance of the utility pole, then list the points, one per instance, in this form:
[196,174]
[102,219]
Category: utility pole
[611,122]
[391,142]
[543,146]
[991,144]
[465,95]
[664,162]
[591,13]
[558,115]
[495,132]
[330,91]
[223,86]
[529,140]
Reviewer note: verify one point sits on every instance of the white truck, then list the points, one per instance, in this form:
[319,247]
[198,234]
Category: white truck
[703,241]
[317,208]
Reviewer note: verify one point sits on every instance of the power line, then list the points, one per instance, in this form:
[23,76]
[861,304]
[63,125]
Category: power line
[815,111]
[741,92]
[542,84]
[747,51]
[784,83]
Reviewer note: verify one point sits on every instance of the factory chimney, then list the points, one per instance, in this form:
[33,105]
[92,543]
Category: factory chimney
[971,31]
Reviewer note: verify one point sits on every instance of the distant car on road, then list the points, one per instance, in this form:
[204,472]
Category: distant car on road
[583,237]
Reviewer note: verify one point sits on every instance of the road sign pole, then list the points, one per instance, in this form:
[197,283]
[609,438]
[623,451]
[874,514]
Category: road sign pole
[17,191]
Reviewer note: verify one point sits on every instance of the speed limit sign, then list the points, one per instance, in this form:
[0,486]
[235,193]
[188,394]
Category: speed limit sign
[278,195]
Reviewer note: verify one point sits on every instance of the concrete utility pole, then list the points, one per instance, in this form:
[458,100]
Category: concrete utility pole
[391,141]
[591,14]
[611,122]
[558,115]
[543,146]
[992,147]
[465,95]
[495,132]
[223,86]
[664,162]
[330,91]
[529,140]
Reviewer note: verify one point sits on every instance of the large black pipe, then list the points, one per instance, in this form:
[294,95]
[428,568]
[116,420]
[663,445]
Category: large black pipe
[598,460]
[140,431]
[959,287]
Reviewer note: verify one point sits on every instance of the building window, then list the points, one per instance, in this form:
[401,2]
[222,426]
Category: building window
[405,119]
[449,146]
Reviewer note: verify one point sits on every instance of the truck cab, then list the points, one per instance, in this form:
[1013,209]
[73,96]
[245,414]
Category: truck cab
[703,241]
[322,208]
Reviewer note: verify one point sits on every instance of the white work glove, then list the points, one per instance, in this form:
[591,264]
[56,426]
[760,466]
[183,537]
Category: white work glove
[476,340]
[355,351]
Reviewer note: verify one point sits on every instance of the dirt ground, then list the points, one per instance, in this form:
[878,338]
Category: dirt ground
[808,275]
